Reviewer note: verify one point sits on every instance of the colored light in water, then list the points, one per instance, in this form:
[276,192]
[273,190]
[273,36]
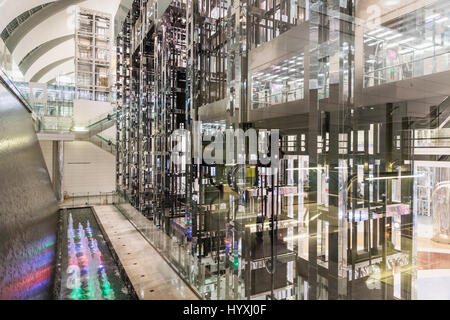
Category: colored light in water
[77,294]
[93,281]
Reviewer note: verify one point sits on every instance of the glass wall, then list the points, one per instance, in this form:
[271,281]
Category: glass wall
[53,104]
[335,114]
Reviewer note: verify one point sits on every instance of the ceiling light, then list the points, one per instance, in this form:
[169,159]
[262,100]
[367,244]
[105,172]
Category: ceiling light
[424,45]
[406,40]
[432,16]
[385,33]
[375,31]
[391,2]
[405,51]
[394,44]
[79,129]
[394,36]
[394,177]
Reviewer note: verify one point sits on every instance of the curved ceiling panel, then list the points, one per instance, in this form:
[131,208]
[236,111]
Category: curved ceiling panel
[42,15]
[59,52]
[11,9]
[65,69]
[36,41]
[16,22]
[45,70]
[39,51]
[54,80]
[45,32]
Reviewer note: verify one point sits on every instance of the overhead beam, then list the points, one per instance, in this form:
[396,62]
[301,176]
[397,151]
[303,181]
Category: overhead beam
[38,75]
[21,31]
[38,52]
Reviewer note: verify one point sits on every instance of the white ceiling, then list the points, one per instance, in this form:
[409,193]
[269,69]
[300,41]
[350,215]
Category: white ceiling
[51,27]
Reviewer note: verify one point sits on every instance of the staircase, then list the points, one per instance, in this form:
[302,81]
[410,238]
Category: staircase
[439,117]
[104,144]
[97,127]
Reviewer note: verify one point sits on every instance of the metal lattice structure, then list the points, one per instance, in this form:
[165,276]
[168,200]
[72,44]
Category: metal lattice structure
[93,55]
[246,231]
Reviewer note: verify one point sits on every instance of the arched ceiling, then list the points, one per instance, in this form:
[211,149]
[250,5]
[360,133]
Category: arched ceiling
[38,52]
[40,34]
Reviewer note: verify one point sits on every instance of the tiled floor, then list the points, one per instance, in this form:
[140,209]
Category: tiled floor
[151,276]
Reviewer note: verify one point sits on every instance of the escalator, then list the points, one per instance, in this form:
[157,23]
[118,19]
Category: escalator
[97,127]
[103,143]
[439,117]
[92,133]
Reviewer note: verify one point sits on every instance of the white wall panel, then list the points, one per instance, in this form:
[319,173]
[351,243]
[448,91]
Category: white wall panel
[87,168]
[47,151]
[87,110]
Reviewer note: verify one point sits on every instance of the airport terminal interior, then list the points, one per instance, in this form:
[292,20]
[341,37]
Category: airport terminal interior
[225,149]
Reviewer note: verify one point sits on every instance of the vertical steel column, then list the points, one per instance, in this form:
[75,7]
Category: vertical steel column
[58,169]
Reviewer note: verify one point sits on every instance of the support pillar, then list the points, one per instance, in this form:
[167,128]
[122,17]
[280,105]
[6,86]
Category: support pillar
[58,169]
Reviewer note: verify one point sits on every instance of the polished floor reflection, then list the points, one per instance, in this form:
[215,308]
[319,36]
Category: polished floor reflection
[433,266]
[151,277]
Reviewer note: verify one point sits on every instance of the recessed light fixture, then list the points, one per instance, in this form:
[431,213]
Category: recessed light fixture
[385,33]
[406,40]
[405,51]
[433,16]
[424,45]
[375,31]
[398,35]
[391,2]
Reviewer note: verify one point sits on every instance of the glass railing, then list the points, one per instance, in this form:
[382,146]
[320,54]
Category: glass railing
[412,45]
[264,99]
[80,199]
[54,104]
[105,144]
[56,123]
[12,76]
[97,120]
[408,70]
[200,273]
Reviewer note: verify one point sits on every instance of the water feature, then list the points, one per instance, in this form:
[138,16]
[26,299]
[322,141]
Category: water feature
[89,271]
